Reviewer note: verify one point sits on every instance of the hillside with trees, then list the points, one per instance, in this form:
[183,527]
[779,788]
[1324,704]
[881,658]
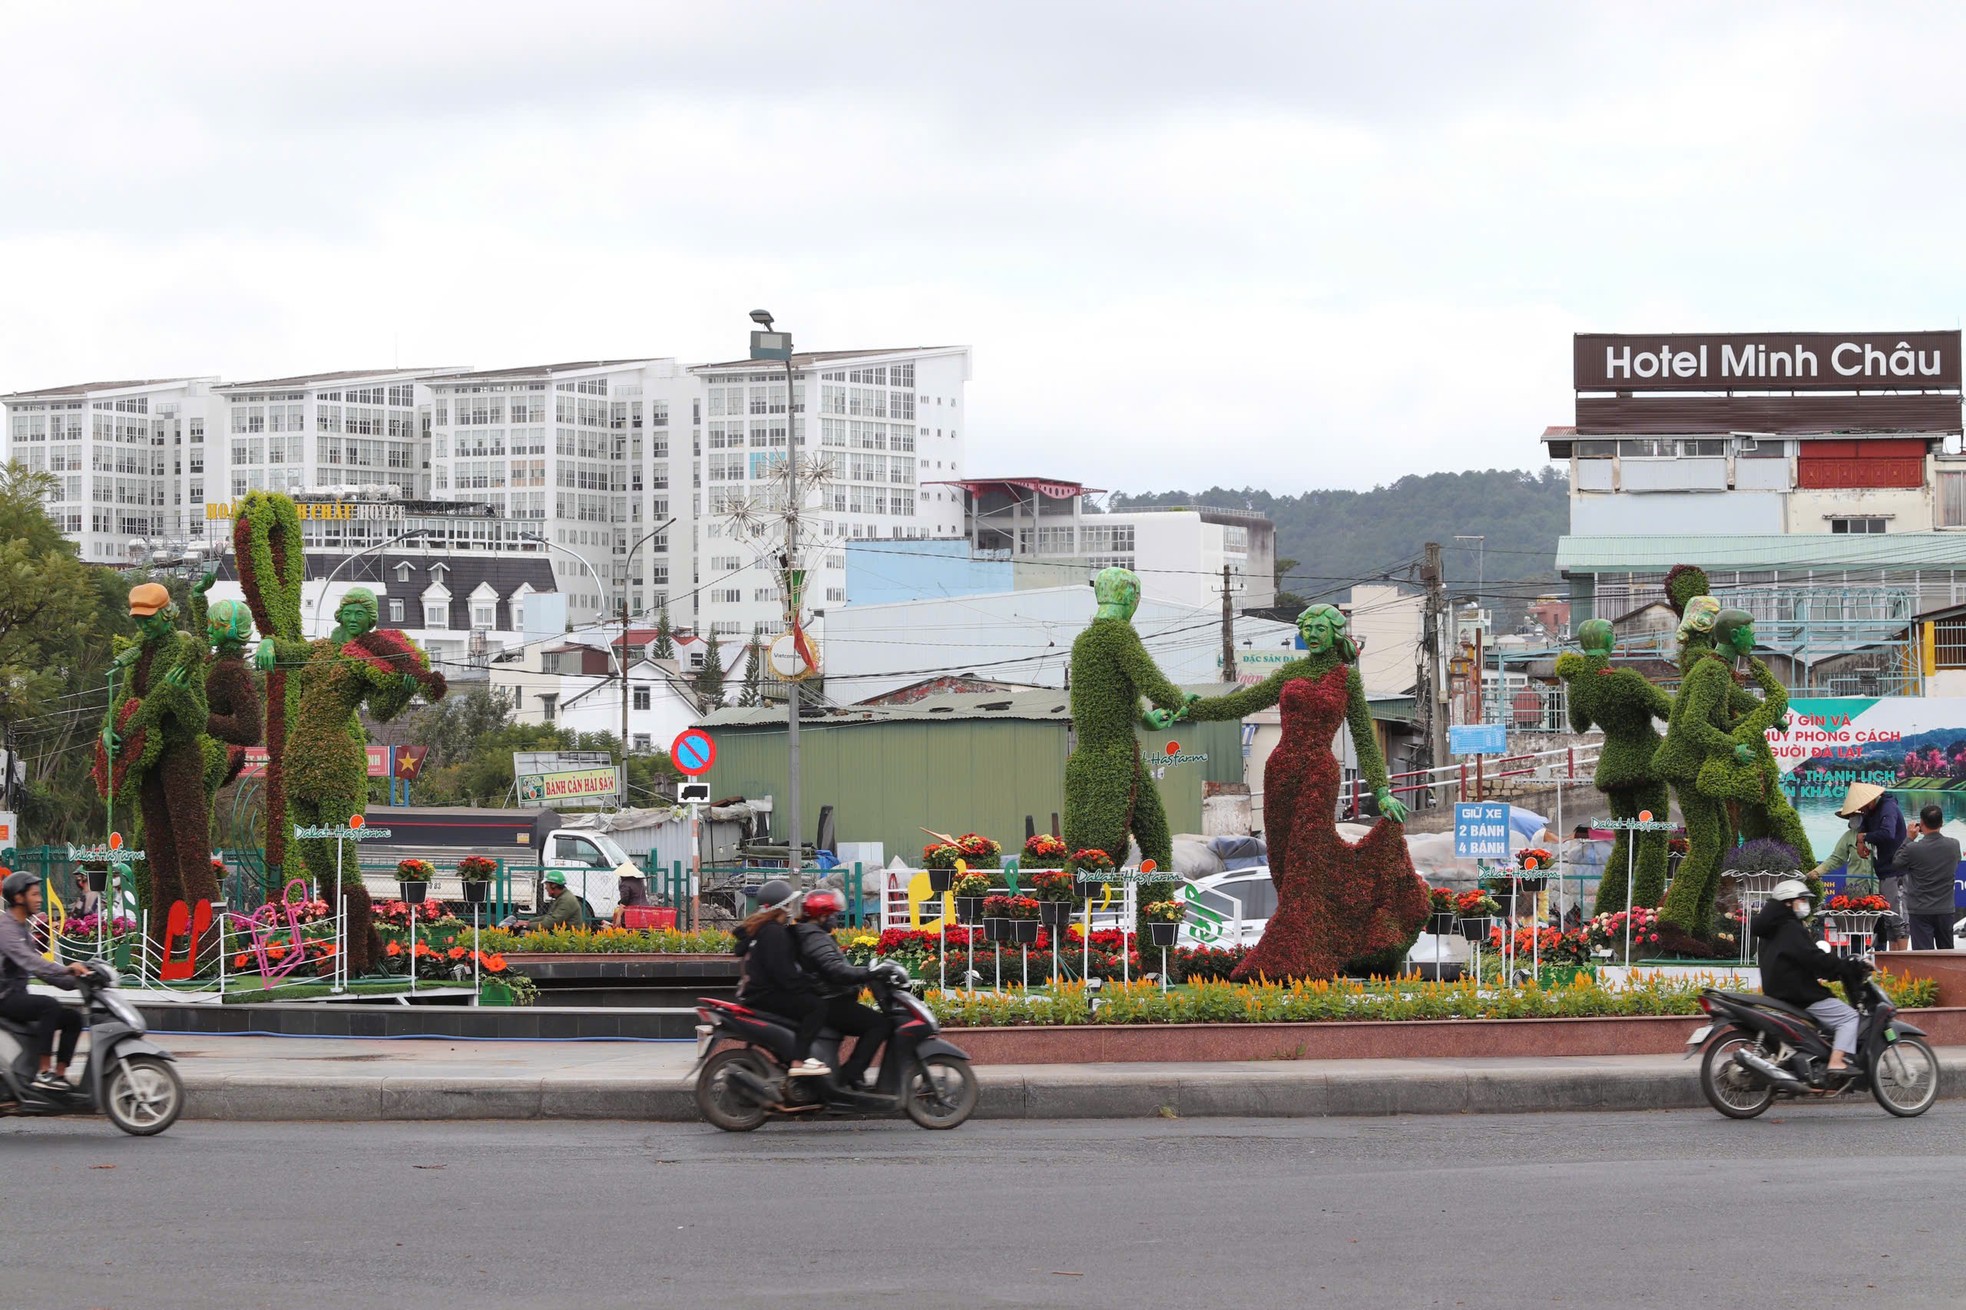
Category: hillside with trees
[1327,540]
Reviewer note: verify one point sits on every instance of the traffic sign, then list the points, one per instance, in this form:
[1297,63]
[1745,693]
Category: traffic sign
[694,793]
[1477,739]
[693,752]
[1481,831]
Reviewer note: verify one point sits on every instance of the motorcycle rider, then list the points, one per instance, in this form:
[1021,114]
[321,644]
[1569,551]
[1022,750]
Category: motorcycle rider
[1793,967]
[771,978]
[838,982]
[19,961]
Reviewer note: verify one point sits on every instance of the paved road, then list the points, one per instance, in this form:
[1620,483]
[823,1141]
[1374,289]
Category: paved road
[1668,1209]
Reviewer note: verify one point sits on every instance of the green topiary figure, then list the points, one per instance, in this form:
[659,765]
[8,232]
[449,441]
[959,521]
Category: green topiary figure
[266,543]
[1713,766]
[1108,793]
[1623,703]
[1337,903]
[152,752]
[235,720]
[327,773]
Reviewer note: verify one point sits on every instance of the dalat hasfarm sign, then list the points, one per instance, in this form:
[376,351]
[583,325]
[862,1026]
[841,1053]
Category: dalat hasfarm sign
[1773,361]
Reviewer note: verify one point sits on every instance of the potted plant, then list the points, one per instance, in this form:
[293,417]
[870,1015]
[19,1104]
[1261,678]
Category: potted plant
[970,888]
[1019,914]
[1055,895]
[1474,909]
[415,876]
[1090,860]
[1043,851]
[1443,910]
[1856,916]
[1163,921]
[1536,864]
[476,873]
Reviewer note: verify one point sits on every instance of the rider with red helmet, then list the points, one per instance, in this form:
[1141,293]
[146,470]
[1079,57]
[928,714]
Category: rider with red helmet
[838,982]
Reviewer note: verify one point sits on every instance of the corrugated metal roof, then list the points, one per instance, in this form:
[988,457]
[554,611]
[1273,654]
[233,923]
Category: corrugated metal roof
[1042,704]
[1774,550]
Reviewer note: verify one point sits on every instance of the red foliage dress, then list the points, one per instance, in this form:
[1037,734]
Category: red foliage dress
[1335,901]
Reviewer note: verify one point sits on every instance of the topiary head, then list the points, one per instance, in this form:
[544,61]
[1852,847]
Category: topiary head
[1698,618]
[1733,631]
[1323,628]
[1683,583]
[228,625]
[1596,636]
[1118,593]
[357,615]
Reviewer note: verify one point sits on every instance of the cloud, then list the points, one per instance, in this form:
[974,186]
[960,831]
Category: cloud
[1293,245]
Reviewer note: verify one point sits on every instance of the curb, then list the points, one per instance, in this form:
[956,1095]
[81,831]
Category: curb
[1082,1092]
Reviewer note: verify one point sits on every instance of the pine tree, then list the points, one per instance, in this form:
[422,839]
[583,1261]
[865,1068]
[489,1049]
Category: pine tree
[665,646]
[754,675]
[709,680]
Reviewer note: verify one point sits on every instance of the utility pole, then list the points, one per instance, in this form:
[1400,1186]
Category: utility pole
[1228,631]
[1428,685]
[795,845]
[622,664]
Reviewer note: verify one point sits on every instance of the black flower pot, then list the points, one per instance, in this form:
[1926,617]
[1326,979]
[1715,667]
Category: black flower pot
[1475,930]
[940,880]
[1055,914]
[414,891]
[1532,885]
[476,893]
[1024,931]
[1163,934]
[99,879]
[1441,922]
[969,909]
[997,930]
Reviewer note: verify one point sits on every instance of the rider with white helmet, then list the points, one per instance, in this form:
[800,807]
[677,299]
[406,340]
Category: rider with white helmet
[1793,967]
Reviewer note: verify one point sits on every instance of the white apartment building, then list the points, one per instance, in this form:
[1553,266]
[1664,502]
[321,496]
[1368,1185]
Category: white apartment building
[132,459]
[355,428]
[890,429]
[592,457]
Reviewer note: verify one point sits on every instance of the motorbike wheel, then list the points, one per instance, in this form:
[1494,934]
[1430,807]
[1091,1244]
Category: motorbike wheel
[941,1092]
[721,1102]
[143,1095]
[1905,1078]
[1728,1087]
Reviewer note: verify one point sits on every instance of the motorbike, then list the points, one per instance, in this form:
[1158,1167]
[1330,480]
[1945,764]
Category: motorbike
[743,1057]
[126,1076]
[1758,1048]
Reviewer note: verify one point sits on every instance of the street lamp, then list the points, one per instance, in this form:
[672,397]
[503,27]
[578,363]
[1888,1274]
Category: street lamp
[768,344]
[366,550]
[629,567]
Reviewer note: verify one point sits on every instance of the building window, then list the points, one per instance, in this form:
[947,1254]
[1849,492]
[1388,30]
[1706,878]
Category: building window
[642,744]
[1952,499]
[548,702]
[1872,526]
[484,616]
[436,615]
[641,698]
[395,610]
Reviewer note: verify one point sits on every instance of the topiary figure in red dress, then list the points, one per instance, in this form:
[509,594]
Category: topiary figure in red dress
[1336,901]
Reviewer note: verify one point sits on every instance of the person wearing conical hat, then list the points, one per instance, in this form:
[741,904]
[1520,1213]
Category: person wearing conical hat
[1883,833]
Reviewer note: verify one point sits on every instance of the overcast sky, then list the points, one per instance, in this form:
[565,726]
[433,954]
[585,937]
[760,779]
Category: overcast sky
[1289,245]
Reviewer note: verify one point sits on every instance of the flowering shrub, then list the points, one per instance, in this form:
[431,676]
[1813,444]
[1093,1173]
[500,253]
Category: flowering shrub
[1608,930]
[415,870]
[1010,907]
[1476,904]
[442,963]
[1442,901]
[1163,911]
[1534,859]
[1552,945]
[1763,855]
[1053,885]
[1208,963]
[84,925]
[476,868]
[274,913]
[1043,851]
[1091,860]
[1858,904]
[969,848]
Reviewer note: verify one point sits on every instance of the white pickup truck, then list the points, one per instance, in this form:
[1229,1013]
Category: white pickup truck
[529,842]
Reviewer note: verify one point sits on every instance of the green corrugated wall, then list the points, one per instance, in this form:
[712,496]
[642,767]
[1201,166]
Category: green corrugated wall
[887,781]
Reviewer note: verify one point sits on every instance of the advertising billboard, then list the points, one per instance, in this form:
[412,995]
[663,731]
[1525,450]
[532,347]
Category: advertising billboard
[1914,747]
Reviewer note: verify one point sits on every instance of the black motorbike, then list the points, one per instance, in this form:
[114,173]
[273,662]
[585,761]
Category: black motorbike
[127,1077]
[743,1055]
[1759,1048]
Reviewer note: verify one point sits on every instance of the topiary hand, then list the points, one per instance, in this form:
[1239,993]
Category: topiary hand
[1389,805]
[204,583]
[177,677]
[266,656]
[1158,719]
[1743,753]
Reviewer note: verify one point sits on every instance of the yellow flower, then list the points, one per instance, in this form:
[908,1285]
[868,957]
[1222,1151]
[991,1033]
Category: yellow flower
[866,941]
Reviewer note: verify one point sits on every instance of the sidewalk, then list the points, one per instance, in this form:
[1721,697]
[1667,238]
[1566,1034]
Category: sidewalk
[274,1078]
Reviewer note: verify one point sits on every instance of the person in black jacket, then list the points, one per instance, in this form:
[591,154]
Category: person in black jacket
[838,982]
[1793,967]
[771,979]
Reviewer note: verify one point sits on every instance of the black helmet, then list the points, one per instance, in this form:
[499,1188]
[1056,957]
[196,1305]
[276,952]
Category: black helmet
[776,895]
[16,884]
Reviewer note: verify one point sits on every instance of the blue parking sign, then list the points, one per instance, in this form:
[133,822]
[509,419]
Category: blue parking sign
[1481,831]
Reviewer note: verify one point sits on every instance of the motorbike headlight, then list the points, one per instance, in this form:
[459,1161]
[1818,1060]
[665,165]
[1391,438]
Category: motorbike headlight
[123,1010]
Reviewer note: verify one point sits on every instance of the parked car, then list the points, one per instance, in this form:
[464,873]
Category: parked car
[1228,909]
